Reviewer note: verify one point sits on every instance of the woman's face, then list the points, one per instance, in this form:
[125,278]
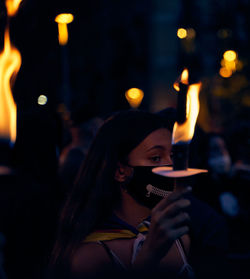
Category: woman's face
[154,150]
[137,176]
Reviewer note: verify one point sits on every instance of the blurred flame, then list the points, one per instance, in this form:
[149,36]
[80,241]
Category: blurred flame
[184,76]
[229,63]
[64,18]
[62,21]
[12,6]
[10,63]
[184,132]
[62,34]
[225,72]
[183,79]
[134,97]
[230,55]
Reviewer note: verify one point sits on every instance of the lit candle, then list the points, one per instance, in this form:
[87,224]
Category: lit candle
[63,20]
[187,113]
[10,63]
[183,133]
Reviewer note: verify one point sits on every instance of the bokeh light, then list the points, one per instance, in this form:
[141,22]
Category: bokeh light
[42,100]
[64,18]
[224,72]
[230,55]
[134,97]
[182,33]
[62,21]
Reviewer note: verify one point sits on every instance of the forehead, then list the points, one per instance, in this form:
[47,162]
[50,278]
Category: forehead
[158,138]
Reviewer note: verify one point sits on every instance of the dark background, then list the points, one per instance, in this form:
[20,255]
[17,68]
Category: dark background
[113,46]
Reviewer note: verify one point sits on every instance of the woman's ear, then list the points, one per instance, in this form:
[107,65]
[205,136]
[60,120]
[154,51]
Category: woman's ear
[122,172]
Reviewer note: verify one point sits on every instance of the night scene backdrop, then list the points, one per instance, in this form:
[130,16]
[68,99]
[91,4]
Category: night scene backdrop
[114,46]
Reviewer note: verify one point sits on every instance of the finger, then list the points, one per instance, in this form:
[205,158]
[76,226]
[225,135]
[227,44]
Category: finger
[180,220]
[175,208]
[180,232]
[175,233]
[172,198]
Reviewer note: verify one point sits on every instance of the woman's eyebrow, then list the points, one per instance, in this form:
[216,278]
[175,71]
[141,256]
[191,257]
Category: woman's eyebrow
[155,147]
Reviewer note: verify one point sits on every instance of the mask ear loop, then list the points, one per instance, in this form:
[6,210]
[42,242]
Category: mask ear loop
[156,191]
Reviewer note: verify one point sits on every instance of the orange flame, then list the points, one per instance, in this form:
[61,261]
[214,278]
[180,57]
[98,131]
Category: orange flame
[10,63]
[12,6]
[183,79]
[134,97]
[62,21]
[184,132]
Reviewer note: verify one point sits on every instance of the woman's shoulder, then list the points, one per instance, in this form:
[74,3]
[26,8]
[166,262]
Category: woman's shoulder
[89,258]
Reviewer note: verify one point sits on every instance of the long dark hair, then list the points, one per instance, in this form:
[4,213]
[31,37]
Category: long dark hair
[95,193]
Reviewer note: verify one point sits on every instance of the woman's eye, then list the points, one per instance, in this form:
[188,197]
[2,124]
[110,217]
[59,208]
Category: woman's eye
[155,159]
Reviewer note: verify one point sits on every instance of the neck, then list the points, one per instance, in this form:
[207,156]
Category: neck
[130,211]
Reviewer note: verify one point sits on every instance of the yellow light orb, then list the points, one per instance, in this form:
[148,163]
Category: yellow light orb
[224,72]
[230,55]
[182,33]
[64,18]
[134,93]
[42,100]
[134,97]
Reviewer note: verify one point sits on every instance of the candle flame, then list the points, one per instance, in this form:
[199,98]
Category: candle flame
[10,63]
[184,132]
[230,55]
[134,97]
[183,79]
[62,21]
[12,6]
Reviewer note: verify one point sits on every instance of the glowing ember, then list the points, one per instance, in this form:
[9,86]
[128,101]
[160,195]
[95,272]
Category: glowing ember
[10,63]
[184,132]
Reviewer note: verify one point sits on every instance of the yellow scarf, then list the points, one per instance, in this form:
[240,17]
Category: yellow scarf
[117,229]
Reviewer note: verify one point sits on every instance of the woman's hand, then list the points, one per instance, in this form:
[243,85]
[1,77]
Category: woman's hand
[169,221]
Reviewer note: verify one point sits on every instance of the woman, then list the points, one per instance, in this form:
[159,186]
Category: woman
[120,216]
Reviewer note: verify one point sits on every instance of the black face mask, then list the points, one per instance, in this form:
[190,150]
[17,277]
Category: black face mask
[148,188]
